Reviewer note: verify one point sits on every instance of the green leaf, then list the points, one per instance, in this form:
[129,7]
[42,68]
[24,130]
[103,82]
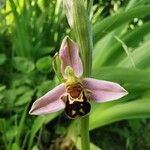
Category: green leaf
[2,125]
[2,87]
[45,50]
[10,95]
[44,64]
[25,98]
[2,59]
[20,128]
[35,147]
[123,75]
[3,129]
[23,64]
[103,27]
[15,146]
[45,87]
[101,50]
[141,57]
[108,51]
[37,125]
[125,110]
[135,106]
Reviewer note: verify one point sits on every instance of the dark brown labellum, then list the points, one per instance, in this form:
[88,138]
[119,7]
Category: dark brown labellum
[77,109]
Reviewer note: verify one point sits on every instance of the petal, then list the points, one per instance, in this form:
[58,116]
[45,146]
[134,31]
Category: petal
[69,55]
[50,102]
[69,11]
[103,91]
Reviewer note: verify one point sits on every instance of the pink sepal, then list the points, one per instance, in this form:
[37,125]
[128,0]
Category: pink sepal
[50,102]
[69,55]
[103,91]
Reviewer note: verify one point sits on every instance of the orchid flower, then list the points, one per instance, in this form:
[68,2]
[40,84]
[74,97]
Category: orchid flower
[76,92]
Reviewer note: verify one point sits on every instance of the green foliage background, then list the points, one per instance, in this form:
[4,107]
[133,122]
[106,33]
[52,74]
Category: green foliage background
[31,32]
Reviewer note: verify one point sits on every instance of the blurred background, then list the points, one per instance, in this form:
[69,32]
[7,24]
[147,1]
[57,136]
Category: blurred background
[31,32]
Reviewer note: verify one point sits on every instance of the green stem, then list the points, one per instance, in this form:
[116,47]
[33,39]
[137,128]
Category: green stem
[84,130]
[79,22]
[83,34]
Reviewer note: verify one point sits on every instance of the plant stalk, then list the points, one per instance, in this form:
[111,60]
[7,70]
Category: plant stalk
[84,131]
[78,20]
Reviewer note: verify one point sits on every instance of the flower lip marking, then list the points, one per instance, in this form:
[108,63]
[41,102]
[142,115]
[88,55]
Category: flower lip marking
[77,107]
[76,102]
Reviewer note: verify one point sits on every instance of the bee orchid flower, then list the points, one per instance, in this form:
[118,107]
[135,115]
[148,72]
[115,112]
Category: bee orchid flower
[75,93]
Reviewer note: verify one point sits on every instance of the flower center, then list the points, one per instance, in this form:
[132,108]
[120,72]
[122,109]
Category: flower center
[74,90]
